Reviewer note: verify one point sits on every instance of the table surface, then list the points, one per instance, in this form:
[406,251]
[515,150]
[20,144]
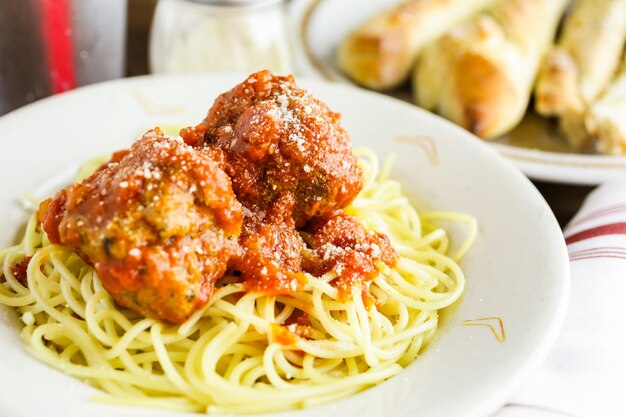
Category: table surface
[565,200]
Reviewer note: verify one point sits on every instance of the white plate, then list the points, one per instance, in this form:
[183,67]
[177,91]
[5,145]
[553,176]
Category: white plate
[322,24]
[517,271]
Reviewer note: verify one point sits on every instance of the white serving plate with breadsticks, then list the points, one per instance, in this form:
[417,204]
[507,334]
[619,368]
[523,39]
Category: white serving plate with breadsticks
[553,101]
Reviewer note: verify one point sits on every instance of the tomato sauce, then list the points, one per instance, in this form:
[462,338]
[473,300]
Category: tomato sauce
[257,189]
[19,269]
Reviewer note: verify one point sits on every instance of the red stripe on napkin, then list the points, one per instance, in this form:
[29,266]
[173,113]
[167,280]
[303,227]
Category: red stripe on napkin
[597,256]
[614,209]
[607,229]
[618,249]
[57,40]
[598,253]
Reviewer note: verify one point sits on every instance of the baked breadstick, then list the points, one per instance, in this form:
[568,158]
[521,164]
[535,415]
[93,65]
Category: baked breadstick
[480,75]
[379,54]
[606,118]
[581,65]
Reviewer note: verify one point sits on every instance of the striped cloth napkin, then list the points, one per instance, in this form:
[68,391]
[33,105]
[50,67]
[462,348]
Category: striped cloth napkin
[585,374]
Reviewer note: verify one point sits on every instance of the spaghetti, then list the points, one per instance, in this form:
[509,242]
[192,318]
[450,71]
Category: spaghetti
[246,352]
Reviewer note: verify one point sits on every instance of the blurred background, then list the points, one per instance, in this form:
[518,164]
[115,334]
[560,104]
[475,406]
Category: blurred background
[51,46]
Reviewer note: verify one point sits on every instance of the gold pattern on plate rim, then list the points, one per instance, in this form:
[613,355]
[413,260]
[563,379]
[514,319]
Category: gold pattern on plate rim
[425,143]
[497,328]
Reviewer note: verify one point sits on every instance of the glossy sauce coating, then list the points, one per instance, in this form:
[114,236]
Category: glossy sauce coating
[278,139]
[289,160]
[159,224]
[341,244]
[271,250]
[19,268]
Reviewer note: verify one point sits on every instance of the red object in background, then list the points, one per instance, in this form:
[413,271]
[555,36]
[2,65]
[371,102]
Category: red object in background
[51,46]
[57,40]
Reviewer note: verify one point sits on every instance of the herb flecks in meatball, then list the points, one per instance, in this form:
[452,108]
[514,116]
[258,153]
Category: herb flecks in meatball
[289,160]
[339,243]
[271,250]
[278,139]
[159,224]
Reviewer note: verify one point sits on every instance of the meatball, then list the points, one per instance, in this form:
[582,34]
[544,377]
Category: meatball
[279,140]
[159,224]
[339,243]
[271,259]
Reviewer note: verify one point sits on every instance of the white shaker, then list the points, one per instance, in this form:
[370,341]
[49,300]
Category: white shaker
[220,35]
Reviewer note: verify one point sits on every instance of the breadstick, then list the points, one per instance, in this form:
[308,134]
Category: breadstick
[379,54]
[606,118]
[480,75]
[581,65]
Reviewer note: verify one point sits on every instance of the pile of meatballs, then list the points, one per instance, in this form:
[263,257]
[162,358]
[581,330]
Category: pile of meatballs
[255,191]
